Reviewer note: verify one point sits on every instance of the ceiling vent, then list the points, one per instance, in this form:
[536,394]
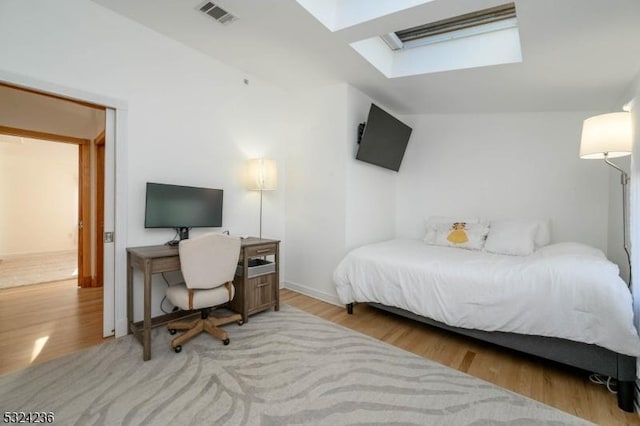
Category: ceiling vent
[217,13]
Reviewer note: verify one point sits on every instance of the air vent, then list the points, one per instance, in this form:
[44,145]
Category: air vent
[217,13]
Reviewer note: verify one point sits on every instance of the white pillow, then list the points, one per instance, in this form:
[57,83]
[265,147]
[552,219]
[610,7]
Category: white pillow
[432,222]
[542,236]
[543,233]
[460,234]
[512,237]
[569,249]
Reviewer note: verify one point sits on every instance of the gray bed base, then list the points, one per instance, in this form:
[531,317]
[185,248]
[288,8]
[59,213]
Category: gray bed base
[581,355]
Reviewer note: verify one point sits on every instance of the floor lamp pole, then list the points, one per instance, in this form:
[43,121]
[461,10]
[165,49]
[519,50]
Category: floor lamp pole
[624,180]
[260,213]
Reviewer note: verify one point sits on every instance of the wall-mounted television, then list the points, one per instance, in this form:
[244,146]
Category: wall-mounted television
[383,140]
[182,207]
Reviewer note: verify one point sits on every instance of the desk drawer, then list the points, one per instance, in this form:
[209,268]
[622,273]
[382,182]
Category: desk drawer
[165,264]
[263,250]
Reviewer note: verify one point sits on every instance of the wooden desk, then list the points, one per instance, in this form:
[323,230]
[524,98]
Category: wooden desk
[253,294]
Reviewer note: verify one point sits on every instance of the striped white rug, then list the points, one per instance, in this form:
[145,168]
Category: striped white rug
[284,367]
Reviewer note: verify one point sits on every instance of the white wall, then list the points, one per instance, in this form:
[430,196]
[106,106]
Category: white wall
[634,203]
[38,196]
[503,165]
[191,120]
[334,202]
[316,195]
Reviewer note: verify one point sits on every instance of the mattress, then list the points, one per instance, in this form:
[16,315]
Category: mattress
[567,290]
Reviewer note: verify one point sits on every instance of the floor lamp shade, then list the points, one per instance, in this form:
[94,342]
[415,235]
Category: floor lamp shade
[262,174]
[609,134]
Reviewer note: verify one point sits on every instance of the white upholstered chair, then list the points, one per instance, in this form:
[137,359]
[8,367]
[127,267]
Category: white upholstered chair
[208,265]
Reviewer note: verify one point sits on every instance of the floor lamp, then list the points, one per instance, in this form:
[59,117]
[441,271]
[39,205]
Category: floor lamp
[608,136]
[262,175]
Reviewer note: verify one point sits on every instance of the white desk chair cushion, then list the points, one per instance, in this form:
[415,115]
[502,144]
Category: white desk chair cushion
[178,295]
[209,261]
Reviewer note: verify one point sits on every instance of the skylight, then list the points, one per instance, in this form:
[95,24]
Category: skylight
[475,39]
[339,14]
[469,24]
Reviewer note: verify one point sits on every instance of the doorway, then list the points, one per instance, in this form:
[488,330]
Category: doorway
[35,118]
[38,222]
[115,190]
[36,185]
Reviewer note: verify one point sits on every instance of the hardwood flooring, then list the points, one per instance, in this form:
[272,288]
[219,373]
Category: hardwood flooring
[550,383]
[45,321]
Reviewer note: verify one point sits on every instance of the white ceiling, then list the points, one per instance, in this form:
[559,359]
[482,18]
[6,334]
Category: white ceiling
[28,110]
[577,54]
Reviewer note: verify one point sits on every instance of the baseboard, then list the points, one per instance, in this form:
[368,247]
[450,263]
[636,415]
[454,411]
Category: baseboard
[121,327]
[312,292]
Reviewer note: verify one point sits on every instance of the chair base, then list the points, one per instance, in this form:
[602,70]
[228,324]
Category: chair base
[196,326]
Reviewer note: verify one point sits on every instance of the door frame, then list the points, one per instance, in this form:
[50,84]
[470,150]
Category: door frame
[85,277]
[115,295]
[99,153]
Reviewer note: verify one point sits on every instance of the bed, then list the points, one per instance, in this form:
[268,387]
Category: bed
[514,301]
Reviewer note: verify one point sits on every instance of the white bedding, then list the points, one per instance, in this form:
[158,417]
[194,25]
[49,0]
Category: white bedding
[566,290]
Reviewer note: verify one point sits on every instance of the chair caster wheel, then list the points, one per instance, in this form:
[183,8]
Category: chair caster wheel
[240,322]
[178,349]
[172,331]
[226,341]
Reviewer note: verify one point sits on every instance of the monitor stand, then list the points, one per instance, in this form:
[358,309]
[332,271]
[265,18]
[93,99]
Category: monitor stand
[183,233]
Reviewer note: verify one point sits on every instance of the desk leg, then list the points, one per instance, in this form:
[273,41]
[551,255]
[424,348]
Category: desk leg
[129,293]
[277,286]
[146,331]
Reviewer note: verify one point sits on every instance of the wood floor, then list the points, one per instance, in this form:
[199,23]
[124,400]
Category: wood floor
[42,322]
[566,389]
[45,321]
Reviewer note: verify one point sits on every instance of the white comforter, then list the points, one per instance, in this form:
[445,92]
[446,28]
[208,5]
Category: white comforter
[565,290]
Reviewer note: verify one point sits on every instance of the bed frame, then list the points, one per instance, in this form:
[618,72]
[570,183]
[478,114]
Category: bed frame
[581,355]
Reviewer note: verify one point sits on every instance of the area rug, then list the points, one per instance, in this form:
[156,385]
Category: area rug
[286,367]
[38,268]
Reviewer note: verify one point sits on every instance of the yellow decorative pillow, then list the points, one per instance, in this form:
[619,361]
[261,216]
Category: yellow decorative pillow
[461,234]
[433,222]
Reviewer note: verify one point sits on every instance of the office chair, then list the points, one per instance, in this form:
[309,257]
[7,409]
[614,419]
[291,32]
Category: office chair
[208,265]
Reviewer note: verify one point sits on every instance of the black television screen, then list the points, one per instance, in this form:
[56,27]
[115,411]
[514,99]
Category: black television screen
[384,139]
[182,207]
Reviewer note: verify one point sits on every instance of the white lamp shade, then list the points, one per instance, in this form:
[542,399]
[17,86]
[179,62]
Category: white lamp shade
[606,133]
[262,174]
